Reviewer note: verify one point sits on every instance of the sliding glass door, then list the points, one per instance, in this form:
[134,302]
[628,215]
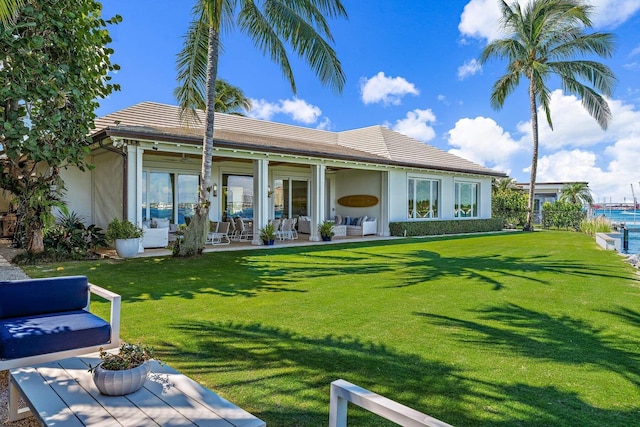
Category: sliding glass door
[290,198]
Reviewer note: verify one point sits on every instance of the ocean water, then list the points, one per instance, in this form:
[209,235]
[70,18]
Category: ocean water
[630,218]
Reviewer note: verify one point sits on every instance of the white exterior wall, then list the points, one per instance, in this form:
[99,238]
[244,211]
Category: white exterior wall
[78,192]
[352,182]
[399,195]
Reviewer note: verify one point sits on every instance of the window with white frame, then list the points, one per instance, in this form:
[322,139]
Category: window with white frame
[466,200]
[423,195]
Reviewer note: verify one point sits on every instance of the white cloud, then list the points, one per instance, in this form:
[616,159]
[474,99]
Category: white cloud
[325,124]
[480,18]
[483,141]
[575,128]
[416,125]
[298,109]
[469,69]
[579,151]
[388,90]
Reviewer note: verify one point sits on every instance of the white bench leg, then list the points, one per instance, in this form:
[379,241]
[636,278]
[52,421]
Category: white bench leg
[16,413]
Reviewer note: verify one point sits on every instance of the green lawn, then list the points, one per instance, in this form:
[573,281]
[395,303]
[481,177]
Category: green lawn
[507,329]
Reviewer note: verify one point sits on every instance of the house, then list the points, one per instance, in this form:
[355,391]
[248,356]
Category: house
[545,192]
[147,165]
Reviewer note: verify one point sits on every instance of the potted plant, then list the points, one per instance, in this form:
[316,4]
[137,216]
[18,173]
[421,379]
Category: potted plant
[123,372]
[125,236]
[268,234]
[326,230]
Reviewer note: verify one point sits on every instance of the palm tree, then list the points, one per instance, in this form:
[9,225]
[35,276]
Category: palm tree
[230,99]
[8,10]
[544,38]
[272,25]
[576,193]
[504,184]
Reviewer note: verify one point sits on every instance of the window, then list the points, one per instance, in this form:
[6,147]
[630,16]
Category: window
[466,200]
[423,198]
[161,191]
[237,196]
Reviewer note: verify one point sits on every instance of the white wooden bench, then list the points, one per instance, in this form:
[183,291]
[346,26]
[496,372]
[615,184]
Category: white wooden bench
[63,394]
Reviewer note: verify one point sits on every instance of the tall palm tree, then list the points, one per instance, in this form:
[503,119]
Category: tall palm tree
[544,38]
[576,193]
[272,25]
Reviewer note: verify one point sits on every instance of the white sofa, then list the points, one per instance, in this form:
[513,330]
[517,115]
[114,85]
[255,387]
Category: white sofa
[156,233]
[358,226]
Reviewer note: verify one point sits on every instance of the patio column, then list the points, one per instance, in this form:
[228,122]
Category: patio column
[134,183]
[316,208]
[385,208]
[260,197]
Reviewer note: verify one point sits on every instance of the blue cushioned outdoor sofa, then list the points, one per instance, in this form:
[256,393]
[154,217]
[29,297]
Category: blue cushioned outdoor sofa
[49,319]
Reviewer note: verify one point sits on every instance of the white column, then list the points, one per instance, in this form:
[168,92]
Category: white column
[316,208]
[385,204]
[134,184]
[260,197]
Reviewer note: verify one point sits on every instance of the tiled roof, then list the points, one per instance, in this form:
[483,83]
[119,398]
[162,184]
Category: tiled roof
[375,144]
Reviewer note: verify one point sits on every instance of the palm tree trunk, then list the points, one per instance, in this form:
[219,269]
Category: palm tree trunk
[528,226]
[196,233]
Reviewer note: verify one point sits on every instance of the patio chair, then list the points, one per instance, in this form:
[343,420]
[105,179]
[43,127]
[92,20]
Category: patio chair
[285,230]
[221,235]
[243,231]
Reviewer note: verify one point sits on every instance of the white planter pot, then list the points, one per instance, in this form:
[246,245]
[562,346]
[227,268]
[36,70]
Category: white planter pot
[127,248]
[119,383]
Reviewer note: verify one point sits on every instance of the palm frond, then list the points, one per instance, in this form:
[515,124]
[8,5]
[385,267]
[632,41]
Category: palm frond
[192,70]
[9,9]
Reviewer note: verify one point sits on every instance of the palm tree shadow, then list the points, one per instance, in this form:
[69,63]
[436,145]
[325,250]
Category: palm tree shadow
[539,335]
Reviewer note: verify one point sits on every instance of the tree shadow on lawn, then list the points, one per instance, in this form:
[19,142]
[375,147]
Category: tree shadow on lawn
[284,379]
[254,272]
[560,339]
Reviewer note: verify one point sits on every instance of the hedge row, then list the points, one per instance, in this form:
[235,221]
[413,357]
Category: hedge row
[431,228]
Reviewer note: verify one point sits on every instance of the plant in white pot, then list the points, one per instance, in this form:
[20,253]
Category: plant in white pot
[124,372]
[125,236]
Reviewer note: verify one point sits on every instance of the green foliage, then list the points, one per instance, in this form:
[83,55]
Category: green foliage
[577,193]
[124,229]
[129,356]
[70,236]
[591,226]
[268,233]
[510,204]
[562,215]
[53,70]
[325,229]
[431,228]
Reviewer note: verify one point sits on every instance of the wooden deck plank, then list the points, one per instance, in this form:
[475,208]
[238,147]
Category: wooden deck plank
[83,405]
[45,404]
[235,415]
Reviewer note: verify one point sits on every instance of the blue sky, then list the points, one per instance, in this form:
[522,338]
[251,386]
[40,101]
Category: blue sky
[410,65]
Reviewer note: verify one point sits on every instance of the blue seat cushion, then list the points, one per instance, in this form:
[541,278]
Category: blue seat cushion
[49,333]
[29,297]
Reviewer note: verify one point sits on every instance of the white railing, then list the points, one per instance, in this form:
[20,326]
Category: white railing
[343,392]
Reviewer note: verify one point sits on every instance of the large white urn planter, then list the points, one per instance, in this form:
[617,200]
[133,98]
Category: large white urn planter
[119,383]
[127,248]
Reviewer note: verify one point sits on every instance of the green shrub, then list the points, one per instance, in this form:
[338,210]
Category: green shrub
[69,238]
[124,229]
[562,215]
[431,228]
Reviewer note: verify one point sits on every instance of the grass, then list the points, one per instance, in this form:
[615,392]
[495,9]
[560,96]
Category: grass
[526,329]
